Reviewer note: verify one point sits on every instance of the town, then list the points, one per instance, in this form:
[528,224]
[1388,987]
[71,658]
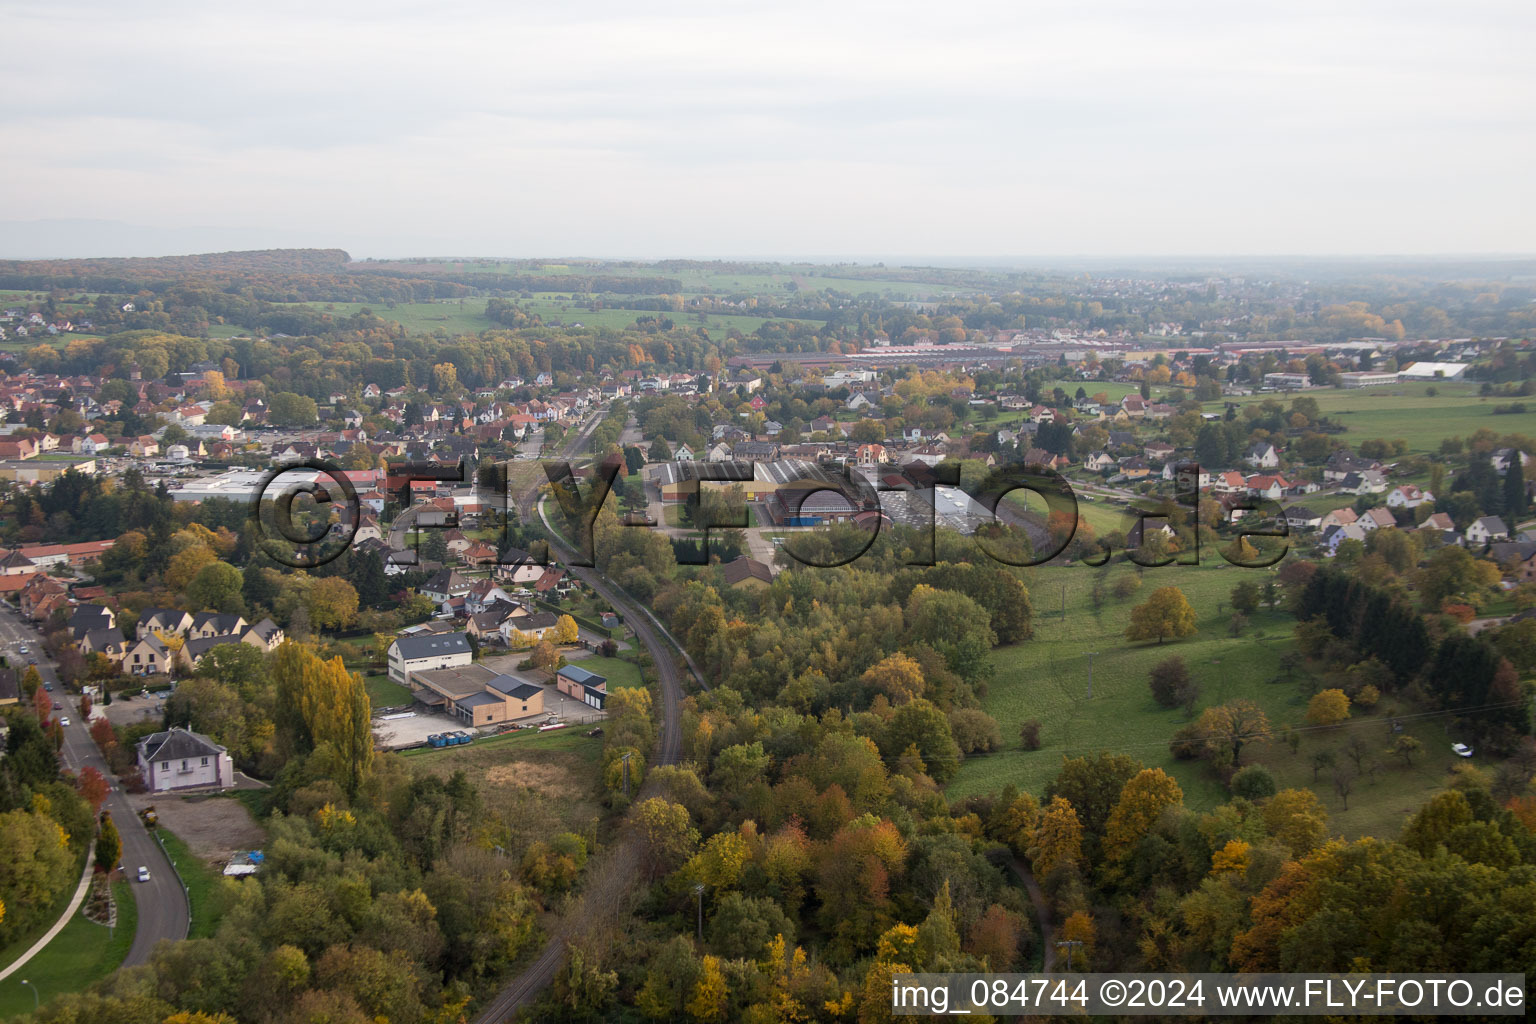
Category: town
[336,645]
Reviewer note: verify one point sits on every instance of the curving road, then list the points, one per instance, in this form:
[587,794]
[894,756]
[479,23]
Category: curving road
[162,902]
[609,882]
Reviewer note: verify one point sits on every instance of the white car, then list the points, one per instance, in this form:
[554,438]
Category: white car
[64,721]
[1461,750]
[143,874]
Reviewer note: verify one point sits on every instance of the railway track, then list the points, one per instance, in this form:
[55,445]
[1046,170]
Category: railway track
[609,882]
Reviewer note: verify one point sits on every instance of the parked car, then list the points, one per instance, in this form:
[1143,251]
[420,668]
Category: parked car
[23,649]
[1461,750]
[143,874]
[64,720]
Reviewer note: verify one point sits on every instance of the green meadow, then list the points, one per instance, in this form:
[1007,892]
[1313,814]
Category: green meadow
[1407,411]
[1046,679]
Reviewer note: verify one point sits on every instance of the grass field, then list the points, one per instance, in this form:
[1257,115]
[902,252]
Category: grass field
[1406,411]
[201,881]
[1047,679]
[468,316]
[80,955]
[384,692]
[617,671]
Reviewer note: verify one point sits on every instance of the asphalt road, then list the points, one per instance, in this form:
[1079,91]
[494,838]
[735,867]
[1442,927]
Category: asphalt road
[162,902]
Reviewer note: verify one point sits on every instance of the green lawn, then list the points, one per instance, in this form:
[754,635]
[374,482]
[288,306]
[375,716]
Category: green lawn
[568,740]
[80,955]
[384,692]
[201,881]
[19,944]
[617,671]
[1047,679]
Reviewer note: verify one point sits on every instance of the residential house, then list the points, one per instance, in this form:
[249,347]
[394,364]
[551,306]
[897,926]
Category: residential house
[147,656]
[206,625]
[88,617]
[1262,456]
[1299,517]
[1485,529]
[1376,519]
[1338,517]
[444,586]
[1333,536]
[107,642]
[529,628]
[181,759]
[163,621]
[428,652]
[1098,462]
[747,572]
[266,635]
[1408,496]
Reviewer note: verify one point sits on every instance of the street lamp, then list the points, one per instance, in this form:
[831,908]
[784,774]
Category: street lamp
[35,1002]
[698,892]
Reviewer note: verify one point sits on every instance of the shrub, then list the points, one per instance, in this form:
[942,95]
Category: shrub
[1253,782]
[1029,734]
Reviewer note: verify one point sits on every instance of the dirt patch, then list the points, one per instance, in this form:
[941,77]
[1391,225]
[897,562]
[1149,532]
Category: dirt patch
[550,779]
[214,828]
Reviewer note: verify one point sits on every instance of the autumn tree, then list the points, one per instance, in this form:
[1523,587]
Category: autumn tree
[1297,818]
[332,603]
[323,709]
[1141,803]
[1164,614]
[1328,707]
[1057,838]
[109,845]
[563,632]
[1221,732]
[899,678]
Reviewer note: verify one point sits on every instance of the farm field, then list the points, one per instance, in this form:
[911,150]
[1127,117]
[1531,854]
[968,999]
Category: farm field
[1406,411]
[1046,679]
[467,316]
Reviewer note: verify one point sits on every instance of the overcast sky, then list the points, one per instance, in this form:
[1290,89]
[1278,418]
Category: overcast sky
[952,131]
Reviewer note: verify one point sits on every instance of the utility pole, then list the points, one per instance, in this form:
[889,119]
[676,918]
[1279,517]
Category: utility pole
[625,759]
[1090,672]
[698,892]
[1070,944]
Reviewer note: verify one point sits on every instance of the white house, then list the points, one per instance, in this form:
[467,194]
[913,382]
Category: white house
[1408,496]
[1262,456]
[427,652]
[180,759]
[1486,529]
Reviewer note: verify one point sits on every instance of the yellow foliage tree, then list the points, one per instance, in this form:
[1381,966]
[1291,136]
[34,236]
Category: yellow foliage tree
[1058,838]
[898,677]
[708,1002]
[563,632]
[1231,858]
[1142,801]
[1328,707]
[1164,614]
